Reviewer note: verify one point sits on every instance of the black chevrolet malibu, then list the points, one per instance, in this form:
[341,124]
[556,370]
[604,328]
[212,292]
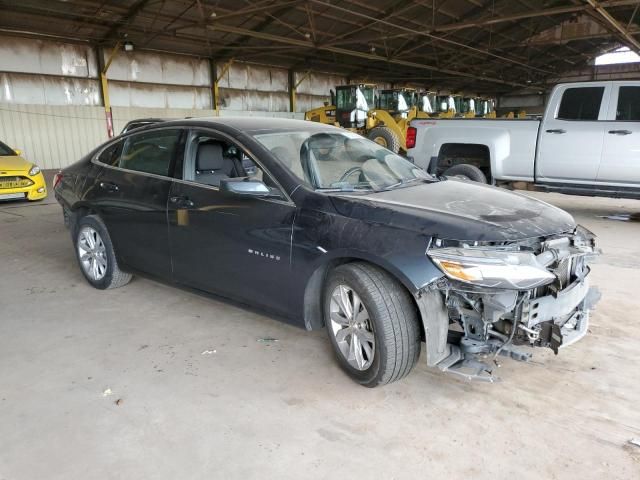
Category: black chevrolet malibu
[326,229]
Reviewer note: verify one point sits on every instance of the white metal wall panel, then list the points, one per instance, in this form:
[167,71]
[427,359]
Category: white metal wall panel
[233,99]
[318,83]
[244,76]
[159,68]
[56,136]
[26,55]
[130,94]
[52,136]
[36,89]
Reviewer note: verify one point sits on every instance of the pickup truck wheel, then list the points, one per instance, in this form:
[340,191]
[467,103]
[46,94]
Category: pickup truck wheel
[386,137]
[95,254]
[372,324]
[466,171]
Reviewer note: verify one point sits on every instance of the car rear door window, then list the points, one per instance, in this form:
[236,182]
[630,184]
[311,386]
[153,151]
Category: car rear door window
[150,152]
[628,104]
[581,103]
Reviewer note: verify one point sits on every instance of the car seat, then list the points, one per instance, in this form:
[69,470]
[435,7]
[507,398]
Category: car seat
[212,166]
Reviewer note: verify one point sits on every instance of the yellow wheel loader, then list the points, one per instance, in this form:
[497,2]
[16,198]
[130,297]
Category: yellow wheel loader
[383,118]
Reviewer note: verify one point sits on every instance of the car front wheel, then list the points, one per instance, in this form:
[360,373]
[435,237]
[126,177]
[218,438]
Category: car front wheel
[95,254]
[372,324]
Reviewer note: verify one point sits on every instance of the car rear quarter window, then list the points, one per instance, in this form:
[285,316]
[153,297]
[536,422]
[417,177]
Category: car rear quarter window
[581,103]
[111,154]
[628,104]
[150,152]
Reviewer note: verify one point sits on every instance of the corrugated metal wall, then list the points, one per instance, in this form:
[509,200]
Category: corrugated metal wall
[142,79]
[313,89]
[50,99]
[54,136]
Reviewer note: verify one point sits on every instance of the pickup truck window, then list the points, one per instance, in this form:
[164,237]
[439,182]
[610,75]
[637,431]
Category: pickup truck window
[628,104]
[581,103]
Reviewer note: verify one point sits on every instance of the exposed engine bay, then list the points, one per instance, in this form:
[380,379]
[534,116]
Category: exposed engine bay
[499,299]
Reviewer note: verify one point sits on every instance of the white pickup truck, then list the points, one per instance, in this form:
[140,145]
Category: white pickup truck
[587,142]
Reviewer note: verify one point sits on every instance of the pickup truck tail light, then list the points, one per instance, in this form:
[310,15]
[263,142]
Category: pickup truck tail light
[411,137]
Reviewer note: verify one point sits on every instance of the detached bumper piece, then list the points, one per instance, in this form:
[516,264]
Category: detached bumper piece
[485,323]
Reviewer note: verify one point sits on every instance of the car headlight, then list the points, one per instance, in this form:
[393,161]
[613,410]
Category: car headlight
[34,170]
[488,267]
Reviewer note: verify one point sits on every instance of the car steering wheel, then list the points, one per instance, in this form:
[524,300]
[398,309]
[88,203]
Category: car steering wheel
[350,172]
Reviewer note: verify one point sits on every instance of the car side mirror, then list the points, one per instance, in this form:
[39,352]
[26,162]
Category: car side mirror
[244,187]
[17,151]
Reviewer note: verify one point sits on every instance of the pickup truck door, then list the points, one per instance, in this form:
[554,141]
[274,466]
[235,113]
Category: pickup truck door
[620,162]
[571,135]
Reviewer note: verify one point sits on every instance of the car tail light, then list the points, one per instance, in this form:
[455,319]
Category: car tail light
[57,178]
[411,137]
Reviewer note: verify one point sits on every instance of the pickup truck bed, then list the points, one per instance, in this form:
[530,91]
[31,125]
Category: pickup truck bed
[510,144]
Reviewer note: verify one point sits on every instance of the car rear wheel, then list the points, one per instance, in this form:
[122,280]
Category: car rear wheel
[95,255]
[372,324]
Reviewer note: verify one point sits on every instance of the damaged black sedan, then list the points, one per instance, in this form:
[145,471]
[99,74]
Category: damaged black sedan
[325,229]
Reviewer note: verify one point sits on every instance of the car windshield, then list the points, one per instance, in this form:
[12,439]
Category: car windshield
[340,160]
[6,151]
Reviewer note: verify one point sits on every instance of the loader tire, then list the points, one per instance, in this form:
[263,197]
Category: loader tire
[386,137]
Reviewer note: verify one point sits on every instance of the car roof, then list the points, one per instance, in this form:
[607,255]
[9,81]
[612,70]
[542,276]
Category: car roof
[252,123]
[152,119]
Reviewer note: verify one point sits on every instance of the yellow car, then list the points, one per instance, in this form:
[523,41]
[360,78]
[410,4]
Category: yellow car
[18,177]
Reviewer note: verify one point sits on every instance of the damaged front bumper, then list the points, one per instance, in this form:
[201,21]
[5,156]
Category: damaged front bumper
[466,323]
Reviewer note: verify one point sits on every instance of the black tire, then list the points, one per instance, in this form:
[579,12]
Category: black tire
[385,137]
[394,321]
[113,277]
[469,172]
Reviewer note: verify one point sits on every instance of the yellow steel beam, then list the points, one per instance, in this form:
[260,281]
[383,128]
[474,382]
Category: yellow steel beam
[293,87]
[104,85]
[216,81]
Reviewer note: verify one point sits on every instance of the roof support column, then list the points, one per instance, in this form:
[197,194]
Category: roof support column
[293,88]
[216,77]
[104,85]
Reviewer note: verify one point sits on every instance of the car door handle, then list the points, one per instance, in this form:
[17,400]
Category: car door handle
[109,187]
[556,130]
[181,201]
[620,132]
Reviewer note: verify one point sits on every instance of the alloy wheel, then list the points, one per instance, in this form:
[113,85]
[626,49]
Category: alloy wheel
[352,327]
[92,253]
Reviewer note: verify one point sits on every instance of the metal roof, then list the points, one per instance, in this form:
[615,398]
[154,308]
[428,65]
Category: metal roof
[485,45]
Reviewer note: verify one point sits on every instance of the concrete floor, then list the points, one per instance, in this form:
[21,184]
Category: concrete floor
[251,409]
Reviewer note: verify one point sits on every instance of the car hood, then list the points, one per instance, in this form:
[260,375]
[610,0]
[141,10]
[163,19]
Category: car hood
[458,210]
[13,163]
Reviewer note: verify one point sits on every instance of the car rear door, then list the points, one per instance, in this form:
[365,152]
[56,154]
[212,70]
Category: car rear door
[571,135]
[130,192]
[620,165]
[236,247]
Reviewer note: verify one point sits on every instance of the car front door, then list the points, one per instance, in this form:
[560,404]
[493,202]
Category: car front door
[620,165]
[571,137]
[131,190]
[237,247]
